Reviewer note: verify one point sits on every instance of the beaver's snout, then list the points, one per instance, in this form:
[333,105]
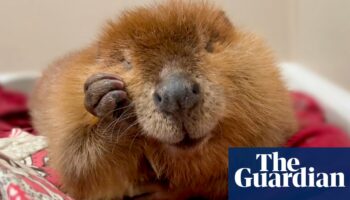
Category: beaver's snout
[177,92]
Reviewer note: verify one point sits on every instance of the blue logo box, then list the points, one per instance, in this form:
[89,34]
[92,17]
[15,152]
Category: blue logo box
[289,173]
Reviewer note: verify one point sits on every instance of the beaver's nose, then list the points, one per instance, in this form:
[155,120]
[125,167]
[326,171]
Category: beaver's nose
[177,92]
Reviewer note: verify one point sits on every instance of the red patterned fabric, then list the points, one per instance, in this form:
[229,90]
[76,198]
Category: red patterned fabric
[18,182]
[38,161]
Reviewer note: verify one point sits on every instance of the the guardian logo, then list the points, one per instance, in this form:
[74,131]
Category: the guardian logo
[289,173]
[279,172]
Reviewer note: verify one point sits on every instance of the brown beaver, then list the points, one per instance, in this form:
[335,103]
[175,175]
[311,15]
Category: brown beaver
[150,109]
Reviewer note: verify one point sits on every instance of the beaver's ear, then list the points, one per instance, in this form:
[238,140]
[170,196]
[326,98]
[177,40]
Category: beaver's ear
[224,27]
[224,19]
[222,31]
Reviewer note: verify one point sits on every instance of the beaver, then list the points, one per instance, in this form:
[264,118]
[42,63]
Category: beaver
[150,108]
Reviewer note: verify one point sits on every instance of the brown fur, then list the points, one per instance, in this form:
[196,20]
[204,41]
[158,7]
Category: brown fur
[245,104]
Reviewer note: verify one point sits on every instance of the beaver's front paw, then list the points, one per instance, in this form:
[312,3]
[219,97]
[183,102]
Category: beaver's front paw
[104,95]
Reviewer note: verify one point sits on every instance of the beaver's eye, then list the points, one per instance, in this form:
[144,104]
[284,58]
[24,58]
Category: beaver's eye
[126,64]
[209,46]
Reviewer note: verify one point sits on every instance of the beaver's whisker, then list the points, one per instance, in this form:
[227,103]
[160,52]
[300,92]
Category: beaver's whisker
[128,114]
[117,121]
[120,134]
[107,115]
[120,120]
[134,138]
[113,121]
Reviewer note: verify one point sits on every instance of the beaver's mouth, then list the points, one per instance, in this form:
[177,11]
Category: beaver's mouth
[187,141]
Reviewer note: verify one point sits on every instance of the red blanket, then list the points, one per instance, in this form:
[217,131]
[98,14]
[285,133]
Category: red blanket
[13,112]
[314,131]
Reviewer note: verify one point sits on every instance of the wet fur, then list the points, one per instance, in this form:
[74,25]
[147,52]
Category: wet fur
[246,104]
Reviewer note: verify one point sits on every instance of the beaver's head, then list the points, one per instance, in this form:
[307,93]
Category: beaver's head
[172,58]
